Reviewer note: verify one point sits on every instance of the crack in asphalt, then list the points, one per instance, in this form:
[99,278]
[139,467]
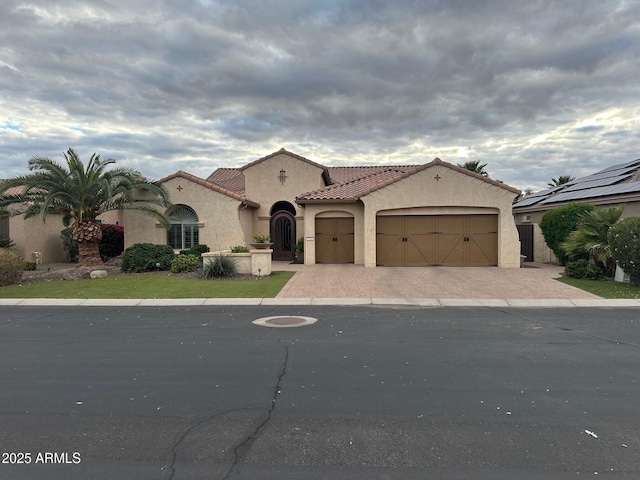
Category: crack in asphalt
[565,329]
[241,450]
[188,431]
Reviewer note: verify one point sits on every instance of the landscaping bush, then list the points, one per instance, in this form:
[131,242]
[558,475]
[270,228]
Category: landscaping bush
[196,250]
[239,249]
[11,266]
[624,241]
[29,265]
[145,257]
[219,266]
[112,243]
[6,242]
[583,269]
[185,263]
[557,224]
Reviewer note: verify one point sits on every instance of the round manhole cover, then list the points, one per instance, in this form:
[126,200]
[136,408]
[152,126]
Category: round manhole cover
[285,321]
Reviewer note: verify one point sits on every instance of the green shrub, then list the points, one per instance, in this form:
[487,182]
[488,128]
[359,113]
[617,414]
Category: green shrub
[583,269]
[196,250]
[145,257]
[557,224]
[624,241]
[29,265]
[11,266]
[219,266]
[300,244]
[239,249]
[6,242]
[185,263]
[261,238]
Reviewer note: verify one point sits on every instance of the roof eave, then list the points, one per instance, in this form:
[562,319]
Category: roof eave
[301,201]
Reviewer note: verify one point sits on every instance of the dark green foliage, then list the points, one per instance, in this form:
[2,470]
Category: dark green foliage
[6,242]
[583,269]
[219,266]
[112,243]
[196,250]
[557,224]
[185,263]
[146,257]
[29,265]
[300,245]
[239,249]
[11,266]
[624,241]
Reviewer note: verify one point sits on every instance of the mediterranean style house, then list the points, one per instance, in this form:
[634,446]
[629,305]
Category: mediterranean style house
[414,215]
[396,215]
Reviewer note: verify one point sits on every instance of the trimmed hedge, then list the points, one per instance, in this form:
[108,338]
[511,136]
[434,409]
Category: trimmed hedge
[557,224]
[624,241]
[583,269]
[196,250]
[185,263]
[146,257]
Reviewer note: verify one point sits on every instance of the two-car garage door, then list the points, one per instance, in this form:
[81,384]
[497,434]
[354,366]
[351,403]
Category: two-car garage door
[447,240]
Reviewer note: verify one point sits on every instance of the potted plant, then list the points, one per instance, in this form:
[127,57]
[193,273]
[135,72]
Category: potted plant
[262,241]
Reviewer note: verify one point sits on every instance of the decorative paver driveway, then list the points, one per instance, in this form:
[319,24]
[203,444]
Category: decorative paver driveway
[356,281]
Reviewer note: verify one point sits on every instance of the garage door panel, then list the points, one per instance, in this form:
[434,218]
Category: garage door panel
[451,250]
[483,249]
[389,249]
[419,250]
[334,240]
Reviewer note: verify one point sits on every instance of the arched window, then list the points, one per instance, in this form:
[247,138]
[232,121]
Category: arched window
[183,233]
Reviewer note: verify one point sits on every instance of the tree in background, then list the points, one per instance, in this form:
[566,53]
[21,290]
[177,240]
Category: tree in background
[557,224]
[475,166]
[592,236]
[80,194]
[624,239]
[561,180]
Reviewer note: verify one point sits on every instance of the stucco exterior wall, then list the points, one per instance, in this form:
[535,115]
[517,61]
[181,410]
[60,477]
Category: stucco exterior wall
[262,185]
[32,235]
[441,190]
[223,221]
[313,211]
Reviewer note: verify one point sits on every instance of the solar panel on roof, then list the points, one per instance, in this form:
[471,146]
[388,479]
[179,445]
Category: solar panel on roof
[603,182]
[609,174]
[621,165]
[527,201]
[594,193]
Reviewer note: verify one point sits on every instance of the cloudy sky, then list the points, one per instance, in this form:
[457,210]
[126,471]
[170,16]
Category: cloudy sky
[534,89]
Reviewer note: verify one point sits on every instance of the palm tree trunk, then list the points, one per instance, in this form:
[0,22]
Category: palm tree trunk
[88,235]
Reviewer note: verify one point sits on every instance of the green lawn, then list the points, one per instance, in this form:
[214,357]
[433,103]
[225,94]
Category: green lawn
[604,288]
[151,286]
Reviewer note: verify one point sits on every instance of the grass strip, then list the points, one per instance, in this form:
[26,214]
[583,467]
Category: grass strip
[151,286]
[603,288]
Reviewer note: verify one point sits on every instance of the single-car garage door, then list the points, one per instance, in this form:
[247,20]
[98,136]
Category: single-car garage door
[448,240]
[334,240]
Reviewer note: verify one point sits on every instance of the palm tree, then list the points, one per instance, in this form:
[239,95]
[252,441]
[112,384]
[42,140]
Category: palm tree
[591,237]
[475,166]
[561,180]
[80,194]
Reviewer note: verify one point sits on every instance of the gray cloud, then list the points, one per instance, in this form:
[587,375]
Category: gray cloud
[535,90]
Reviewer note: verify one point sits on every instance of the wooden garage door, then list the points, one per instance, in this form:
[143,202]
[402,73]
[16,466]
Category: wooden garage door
[334,240]
[449,240]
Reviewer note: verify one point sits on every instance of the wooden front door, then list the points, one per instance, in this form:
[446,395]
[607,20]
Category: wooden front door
[283,236]
[334,240]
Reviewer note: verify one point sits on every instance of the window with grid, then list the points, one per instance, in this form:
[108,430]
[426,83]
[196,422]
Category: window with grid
[183,233]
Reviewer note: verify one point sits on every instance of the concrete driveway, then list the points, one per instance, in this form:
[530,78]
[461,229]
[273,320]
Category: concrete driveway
[356,281]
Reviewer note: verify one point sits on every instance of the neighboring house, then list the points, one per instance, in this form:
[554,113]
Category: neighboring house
[412,215]
[618,185]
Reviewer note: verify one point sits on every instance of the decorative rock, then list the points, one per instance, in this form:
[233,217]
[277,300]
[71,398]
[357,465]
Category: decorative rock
[99,274]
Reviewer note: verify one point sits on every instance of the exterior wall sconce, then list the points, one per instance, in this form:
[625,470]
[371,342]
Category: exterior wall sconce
[282,176]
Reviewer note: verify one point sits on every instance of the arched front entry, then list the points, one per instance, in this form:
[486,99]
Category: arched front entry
[283,231]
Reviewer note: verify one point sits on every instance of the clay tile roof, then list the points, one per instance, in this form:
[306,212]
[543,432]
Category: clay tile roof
[346,174]
[354,189]
[359,187]
[283,151]
[210,185]
[229,178]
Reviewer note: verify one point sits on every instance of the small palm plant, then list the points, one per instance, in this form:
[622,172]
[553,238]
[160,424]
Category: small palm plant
[592,236]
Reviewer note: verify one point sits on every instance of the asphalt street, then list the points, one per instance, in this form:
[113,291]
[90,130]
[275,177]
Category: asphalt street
[365,393]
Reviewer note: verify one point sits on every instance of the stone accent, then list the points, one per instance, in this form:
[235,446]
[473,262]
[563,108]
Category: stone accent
[98,274]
